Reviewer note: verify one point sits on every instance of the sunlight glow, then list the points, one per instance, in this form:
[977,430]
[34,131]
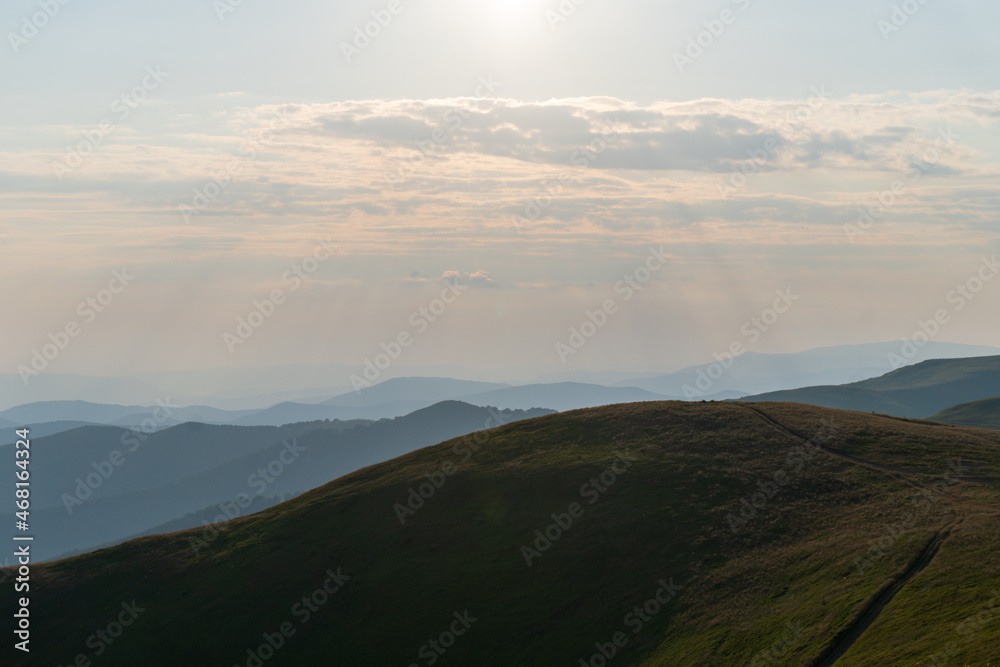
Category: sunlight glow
[515,11]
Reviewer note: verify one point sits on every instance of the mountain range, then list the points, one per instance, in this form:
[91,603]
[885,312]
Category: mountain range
[918,391]
[254,389]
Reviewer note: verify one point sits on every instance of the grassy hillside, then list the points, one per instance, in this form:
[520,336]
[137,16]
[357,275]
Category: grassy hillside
[191,467]
[919,391]
[561,396]
[984,414]
[150,460]
[692,534]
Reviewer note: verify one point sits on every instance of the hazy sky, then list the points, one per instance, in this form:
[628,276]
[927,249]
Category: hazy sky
[361,176]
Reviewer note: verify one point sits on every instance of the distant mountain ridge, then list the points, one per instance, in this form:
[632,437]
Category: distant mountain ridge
[756,373]
[984,413]
[236,389]
[159,413]
[811,373]
[919,391]
[407,389]
[390,399]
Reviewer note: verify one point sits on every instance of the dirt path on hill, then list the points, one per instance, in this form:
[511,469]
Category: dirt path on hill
[848,637]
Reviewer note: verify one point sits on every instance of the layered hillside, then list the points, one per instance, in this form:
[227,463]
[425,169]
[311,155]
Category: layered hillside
[653,533]
[916,391]
[984,414]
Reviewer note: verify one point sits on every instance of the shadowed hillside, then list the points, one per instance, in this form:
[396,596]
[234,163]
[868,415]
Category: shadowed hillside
[82,500]
[918,391]
[984,414]
[656,533]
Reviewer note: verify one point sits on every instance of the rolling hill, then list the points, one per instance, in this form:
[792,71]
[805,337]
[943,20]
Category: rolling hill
[560,396]
[410,389]
[984,414]
[8,436]
[919,391]
[82,500]
[402,396]
[755,373]
[147,461]
[125,415]
[646,534]
[393,398]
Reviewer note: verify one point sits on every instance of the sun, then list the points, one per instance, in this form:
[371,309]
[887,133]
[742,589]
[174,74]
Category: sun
[515,10]
[503,26]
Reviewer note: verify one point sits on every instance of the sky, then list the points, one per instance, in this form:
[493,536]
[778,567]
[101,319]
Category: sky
[577,185]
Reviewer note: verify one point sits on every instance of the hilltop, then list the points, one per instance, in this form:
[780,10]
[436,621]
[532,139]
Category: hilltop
[660,533]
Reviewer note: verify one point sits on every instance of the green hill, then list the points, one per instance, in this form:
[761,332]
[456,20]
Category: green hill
[919,391]
[193,467]
[662,533]
[984,414]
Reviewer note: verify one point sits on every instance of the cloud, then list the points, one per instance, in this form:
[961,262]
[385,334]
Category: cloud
[457,171]
[474,279]
[482,279]
[703,135]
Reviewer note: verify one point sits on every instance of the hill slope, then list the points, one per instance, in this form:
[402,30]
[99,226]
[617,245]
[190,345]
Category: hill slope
[60,461]
[913,391]
[690,534]
[405,389]
[189,468]
[984,414]
[755,373]
[560,396]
